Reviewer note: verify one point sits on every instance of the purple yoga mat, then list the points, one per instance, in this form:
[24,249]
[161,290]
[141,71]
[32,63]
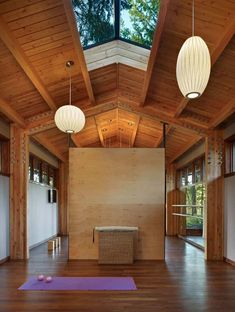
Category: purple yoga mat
[81,283]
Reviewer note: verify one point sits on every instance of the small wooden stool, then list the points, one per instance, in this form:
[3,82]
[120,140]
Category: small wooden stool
[58,241]
[51,245]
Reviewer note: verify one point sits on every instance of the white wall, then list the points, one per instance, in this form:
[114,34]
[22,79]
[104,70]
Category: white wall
[229,218]
[42,216]
[4,217]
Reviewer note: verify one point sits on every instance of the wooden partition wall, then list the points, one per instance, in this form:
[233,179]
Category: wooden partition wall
[122,187]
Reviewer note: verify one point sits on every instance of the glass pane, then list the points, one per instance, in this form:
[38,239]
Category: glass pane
[138,20]
[190,175]
[36,170]
[95,20]
[44,173]
[183,177]
[195,195]
[198,171]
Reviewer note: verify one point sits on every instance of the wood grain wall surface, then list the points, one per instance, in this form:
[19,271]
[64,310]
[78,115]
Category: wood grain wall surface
[116,187]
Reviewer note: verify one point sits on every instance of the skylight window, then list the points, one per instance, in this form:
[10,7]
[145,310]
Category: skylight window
[100,21]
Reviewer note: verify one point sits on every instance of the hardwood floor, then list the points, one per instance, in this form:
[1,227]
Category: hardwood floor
[184,282]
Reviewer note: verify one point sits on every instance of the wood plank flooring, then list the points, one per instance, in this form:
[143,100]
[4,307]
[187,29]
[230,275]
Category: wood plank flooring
[184,282]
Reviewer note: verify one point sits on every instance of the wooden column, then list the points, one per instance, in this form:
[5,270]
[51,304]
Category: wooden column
[18,193]
[215,196]
[63,197]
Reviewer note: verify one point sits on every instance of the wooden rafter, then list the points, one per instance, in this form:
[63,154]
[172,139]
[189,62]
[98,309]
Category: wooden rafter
[49,146]
[18,53]
[78,48]
[135,129]
[100,132]
[154,49]
[12,114]
[217,50]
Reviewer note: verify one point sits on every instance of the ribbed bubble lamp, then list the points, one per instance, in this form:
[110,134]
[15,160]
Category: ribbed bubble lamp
[69,118]
[193,65]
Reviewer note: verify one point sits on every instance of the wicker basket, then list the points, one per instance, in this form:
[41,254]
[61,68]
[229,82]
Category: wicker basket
[116,247]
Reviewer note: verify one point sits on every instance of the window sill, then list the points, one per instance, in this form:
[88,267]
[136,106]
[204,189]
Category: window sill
[227,175]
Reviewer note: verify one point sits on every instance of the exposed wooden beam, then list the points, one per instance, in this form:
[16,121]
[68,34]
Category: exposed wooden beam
[49,146]
[78,48]
[7,110]
[154,49]
[18,53]
[217,50]
[225,113]
[185,148]
[40,123]
[135,129]
[100,132]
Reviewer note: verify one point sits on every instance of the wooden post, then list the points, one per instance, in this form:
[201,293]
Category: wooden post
[19,156]
[63,191]
[215,196]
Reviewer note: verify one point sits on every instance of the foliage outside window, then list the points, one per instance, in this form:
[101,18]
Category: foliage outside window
[42,172]
[230,155]
[100,21]
[191,181]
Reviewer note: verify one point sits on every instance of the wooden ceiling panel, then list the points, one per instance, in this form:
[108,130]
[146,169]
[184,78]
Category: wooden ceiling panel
[149,133]
[210,18]
[163,85]
[130,79]
[104,79]
[89,135]
[179,141]
[41,30]
[16,88]
[220,89]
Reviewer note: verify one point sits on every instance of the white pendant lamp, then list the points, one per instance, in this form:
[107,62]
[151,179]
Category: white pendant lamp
[69,118]
[193,65]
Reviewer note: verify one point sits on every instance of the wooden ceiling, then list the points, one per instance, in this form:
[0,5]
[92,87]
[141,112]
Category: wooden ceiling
[124,106]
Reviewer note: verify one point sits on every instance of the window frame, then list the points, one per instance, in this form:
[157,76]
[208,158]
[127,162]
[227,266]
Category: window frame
[42,164]
[229,163]
[117,25]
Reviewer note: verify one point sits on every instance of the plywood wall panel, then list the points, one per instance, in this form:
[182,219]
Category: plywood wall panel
[116,187]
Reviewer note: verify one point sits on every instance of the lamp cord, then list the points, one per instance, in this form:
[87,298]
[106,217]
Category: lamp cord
[70,87]
[193,22]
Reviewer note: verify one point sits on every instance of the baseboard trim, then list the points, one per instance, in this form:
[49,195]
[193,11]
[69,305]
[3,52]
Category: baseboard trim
[42,242]
[229,261]
[4,260]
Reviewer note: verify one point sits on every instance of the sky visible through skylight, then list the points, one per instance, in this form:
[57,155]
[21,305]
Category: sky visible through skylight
[96,21]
